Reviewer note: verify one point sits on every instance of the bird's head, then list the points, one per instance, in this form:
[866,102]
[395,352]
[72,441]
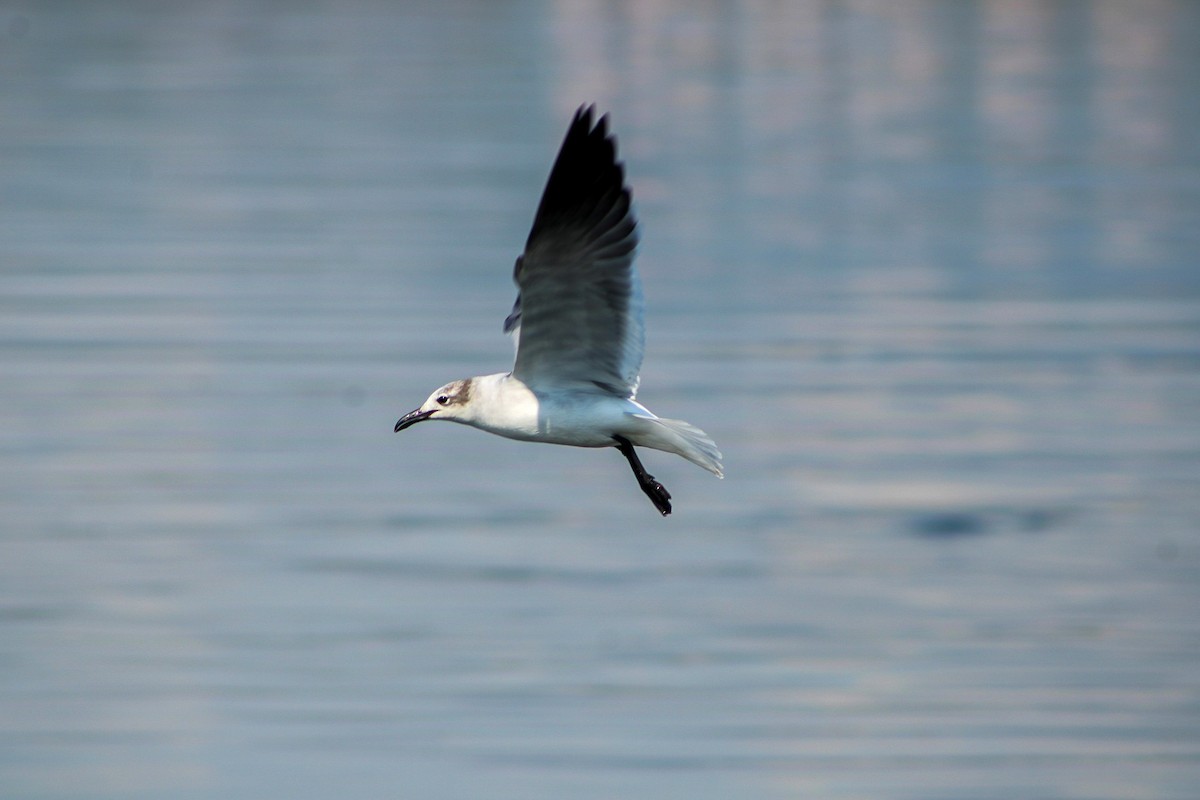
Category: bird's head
[448,403]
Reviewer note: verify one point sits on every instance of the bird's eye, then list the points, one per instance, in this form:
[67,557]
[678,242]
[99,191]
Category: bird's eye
[443,399]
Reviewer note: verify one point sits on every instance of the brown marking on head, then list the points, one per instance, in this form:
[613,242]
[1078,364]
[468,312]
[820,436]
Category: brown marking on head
[456,393]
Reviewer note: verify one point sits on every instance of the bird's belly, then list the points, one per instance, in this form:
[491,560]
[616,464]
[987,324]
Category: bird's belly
[582,421]
[579,420]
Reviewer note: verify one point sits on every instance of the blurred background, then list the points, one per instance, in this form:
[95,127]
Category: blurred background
[927,272]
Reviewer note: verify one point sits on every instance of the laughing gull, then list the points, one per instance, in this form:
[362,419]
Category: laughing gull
[578,325]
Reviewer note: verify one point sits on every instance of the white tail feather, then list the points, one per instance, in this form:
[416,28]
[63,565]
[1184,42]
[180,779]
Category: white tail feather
[681,438]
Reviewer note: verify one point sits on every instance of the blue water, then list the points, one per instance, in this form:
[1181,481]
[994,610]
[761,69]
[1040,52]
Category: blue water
[926,271]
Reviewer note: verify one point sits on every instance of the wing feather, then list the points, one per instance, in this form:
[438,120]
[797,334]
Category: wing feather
[578,314]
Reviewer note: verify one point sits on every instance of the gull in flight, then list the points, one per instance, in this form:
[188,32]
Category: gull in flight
[578,326]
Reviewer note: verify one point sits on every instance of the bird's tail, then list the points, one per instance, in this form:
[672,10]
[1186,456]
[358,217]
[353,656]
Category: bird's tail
[682,438]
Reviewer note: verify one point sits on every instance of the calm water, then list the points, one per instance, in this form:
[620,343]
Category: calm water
[927,272]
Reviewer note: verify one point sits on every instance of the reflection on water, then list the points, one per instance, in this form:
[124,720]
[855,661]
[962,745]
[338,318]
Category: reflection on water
[925,270]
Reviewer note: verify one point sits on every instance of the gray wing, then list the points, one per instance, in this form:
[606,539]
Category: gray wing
[578,315]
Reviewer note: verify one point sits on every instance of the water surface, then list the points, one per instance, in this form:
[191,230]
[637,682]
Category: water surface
[926,271]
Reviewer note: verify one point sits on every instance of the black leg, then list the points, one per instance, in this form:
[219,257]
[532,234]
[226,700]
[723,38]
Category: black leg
[657,493]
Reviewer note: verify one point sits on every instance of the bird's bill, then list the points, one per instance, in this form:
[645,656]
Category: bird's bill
[412,418]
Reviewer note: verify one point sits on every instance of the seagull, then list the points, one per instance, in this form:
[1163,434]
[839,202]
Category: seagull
[578,326]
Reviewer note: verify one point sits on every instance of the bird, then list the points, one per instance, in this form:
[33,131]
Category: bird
[578,325]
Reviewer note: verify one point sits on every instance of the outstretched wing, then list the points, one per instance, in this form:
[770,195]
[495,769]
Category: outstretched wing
[578,314]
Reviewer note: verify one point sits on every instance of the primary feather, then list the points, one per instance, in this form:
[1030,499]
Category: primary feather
[578,314]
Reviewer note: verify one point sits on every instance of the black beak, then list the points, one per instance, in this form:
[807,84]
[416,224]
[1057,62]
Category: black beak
[412,418]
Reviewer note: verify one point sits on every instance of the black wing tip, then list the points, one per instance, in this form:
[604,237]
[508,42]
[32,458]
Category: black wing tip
[583,117]
[586,167]
[583,133]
